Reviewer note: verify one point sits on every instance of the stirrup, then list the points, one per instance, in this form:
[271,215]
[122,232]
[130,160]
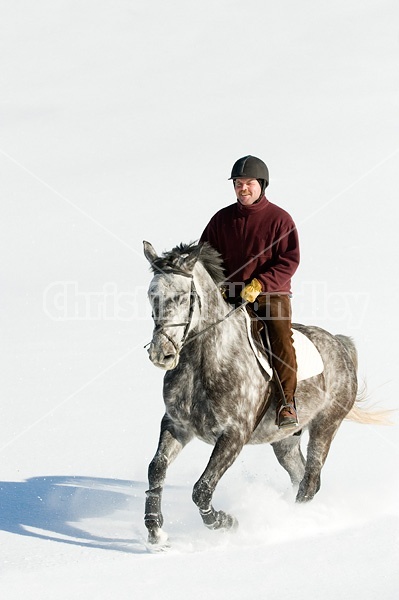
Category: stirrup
[289,421]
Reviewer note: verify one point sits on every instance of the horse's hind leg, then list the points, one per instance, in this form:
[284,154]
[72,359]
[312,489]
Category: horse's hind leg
[169,446]
[290,457]
[320,438]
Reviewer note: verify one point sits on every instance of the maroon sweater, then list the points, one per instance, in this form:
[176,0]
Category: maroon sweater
[259,241]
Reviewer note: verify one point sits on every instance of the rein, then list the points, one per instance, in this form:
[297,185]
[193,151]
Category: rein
[229,314]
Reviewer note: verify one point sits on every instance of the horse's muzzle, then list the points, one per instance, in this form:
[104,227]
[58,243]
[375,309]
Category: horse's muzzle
[166,359]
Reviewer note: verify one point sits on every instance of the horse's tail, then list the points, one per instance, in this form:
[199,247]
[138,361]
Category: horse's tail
[366,416]
[359,413]
[369,415]
[350,347]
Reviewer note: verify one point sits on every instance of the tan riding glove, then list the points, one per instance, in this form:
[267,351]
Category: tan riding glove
[251,291]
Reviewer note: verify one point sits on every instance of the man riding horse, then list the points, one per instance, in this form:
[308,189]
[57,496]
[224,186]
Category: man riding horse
[258,242]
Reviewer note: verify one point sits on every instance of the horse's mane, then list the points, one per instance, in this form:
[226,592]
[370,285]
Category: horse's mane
[185,253]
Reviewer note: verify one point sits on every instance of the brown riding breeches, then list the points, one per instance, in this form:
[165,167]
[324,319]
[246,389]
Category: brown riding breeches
[276,311]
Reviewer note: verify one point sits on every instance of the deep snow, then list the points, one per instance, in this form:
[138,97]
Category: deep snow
[120,122]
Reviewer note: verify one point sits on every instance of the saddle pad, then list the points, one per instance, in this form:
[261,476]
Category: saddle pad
[307,356]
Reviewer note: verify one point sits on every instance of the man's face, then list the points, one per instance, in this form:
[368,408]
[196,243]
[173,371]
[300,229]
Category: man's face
[247,190]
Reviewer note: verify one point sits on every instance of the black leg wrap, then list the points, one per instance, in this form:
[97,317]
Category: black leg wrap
[153,516]
[209,518]
[218,519]
[213,519]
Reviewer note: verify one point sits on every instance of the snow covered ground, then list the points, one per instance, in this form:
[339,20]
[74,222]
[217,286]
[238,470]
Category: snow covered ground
[120,122]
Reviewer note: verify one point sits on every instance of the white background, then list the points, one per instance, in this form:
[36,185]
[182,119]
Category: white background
[120,121]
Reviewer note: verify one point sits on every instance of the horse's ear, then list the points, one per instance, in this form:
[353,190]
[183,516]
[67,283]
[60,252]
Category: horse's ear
[149,252]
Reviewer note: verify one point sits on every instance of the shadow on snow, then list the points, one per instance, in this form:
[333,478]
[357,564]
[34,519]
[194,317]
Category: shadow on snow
[51,508]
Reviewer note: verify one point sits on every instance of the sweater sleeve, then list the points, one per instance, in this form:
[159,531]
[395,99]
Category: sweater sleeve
[285,263]
[209,235]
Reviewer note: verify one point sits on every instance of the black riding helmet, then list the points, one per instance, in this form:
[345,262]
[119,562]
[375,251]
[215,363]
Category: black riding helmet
[250,167]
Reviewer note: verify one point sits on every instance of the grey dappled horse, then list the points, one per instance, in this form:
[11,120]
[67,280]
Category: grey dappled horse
[214,388]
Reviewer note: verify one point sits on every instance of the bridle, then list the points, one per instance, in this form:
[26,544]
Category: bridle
[160,327]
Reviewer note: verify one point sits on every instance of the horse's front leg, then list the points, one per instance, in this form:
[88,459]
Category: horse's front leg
[226,450]
[169,446]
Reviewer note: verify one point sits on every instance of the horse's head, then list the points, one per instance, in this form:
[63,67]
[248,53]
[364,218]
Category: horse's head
[175,303]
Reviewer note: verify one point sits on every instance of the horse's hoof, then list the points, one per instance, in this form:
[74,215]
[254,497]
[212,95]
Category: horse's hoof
[302,498]
[157,539]
[225,522]
[234,523]
[307,491]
